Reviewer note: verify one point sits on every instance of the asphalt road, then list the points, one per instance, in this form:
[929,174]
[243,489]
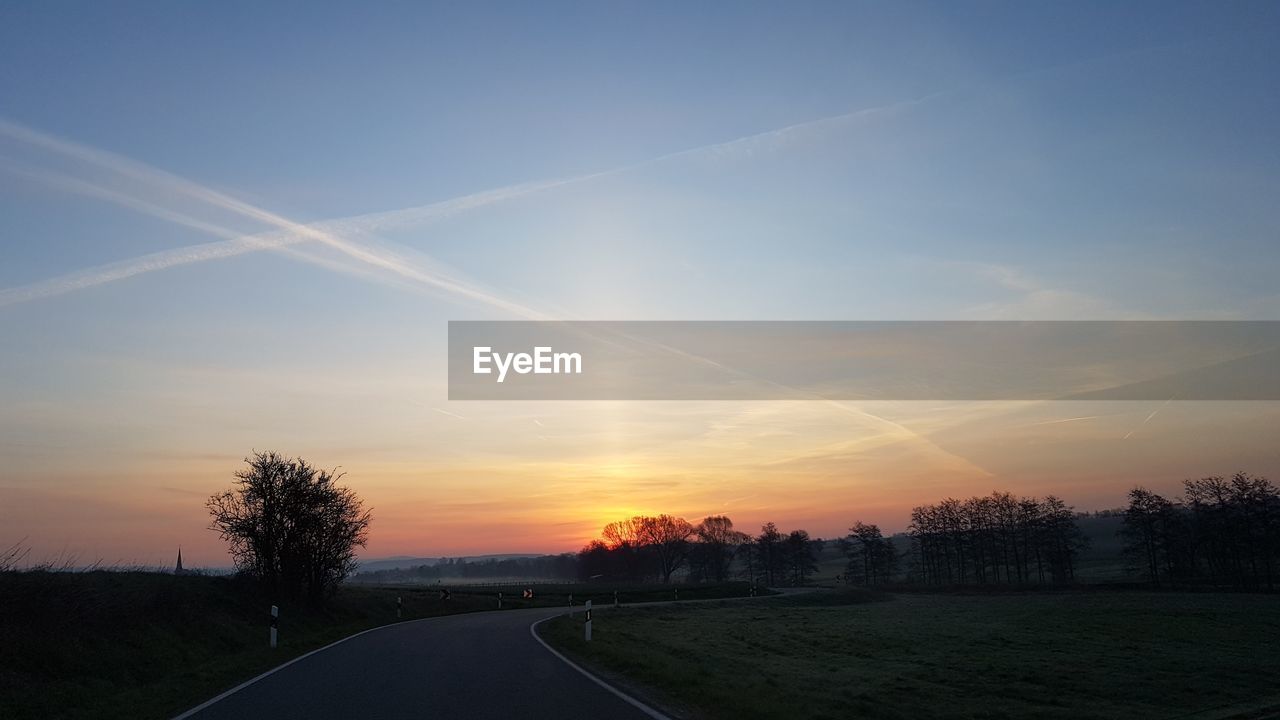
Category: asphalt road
[478,665]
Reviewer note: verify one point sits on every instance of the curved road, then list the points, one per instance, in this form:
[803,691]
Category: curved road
[478,665]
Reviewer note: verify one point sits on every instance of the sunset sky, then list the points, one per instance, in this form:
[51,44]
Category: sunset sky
[238,226]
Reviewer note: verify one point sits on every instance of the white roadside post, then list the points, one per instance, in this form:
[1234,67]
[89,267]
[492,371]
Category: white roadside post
[570,604]
[399,607]
[499,600]
[615,598]
[275,623]
[588,622]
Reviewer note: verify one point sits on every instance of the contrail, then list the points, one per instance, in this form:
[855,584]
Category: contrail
[135,170]
[90,277]
[328,231]
[1063,420]
[1148,419]
[77,186]
[238,241]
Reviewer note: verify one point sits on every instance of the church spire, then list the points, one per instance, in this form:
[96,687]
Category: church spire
[177,570]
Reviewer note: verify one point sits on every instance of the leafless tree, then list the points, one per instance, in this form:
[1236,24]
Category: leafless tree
[872,557]
[668,538]
[996,538]
[716,545]
[770,560]
[625,545]
[800,553]
[291,525]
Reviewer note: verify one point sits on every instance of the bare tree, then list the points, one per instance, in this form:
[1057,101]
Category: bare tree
[713,554]
[771,560]
[800,552]
[1236,528]
[290,525]
[872,557]
[995,539]
[1150,533]
[668,538]
[624,542]
[622,532]
[594,559]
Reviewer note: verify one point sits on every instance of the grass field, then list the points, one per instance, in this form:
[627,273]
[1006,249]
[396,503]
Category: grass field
[150,645]
[1013,655]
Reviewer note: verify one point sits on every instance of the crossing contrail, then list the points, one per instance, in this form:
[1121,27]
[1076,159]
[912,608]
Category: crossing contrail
[234,243]
[1064,420]
[288,231]
[331,232]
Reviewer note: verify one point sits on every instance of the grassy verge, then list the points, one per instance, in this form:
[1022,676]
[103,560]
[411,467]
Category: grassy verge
[150,645]
[849,654]
[117,644]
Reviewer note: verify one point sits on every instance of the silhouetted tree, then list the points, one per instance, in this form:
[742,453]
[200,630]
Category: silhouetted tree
[996,538]
[800,552]
[624,542]
[667,537]
[595,559]
[749,553]
[1156,536]
[1236,528]
[645,546]
[1054,537]
[872,557]
[717,542]
[290,525]
[771,561]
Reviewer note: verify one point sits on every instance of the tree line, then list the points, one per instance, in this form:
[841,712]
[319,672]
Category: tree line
[292,526]
[657,547]
[1221,532]
[995,539]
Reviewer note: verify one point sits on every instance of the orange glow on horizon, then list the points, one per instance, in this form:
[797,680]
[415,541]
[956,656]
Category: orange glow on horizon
[551,486]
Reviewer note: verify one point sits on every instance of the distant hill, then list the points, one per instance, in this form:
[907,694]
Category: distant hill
[398,562]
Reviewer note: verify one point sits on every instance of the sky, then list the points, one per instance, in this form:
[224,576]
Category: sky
[236,226]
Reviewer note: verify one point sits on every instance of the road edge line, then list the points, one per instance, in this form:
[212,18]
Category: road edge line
[226,693]
[646,709]
[651,712]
